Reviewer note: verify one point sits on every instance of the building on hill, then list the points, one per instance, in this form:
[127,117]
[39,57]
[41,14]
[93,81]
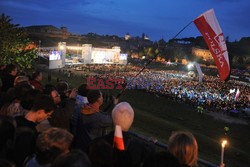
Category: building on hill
[48,30]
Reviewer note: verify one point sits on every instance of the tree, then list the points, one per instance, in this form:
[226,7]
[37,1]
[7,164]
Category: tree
[14,45]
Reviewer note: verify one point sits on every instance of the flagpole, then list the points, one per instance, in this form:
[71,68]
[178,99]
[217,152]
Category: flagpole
[148,62]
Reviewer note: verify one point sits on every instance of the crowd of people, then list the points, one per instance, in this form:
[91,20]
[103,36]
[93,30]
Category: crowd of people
[52,125]
[212,94]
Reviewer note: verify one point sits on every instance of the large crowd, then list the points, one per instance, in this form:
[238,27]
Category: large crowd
[212,93]
[52,125]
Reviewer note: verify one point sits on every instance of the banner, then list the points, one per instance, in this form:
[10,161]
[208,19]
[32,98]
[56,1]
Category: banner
[198,68]
[210,29]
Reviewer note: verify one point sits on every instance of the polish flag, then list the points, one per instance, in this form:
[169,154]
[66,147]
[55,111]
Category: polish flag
[210,29]
[237,94]
[118,139]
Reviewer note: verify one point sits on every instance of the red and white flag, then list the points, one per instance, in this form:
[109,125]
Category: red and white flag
[118,139]
[210,29]
[237,94]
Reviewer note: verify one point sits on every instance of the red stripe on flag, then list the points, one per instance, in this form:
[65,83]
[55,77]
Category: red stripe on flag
[118,143]
[212,39]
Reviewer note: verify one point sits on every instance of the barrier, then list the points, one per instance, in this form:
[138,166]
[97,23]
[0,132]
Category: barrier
[164,146]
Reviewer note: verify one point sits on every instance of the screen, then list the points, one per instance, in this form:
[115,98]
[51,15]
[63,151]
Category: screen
[123,56]
[55,55]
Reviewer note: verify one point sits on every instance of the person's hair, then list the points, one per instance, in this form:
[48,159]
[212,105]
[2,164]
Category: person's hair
[123,115]
[161,159]
[22,90]
[54,137]
[82,90]
[43,102]
[28,100]
[74,158]
[183,145]
[48,88]
[9,68]
[21,80]
[36,74]
[62,87]
[93,96]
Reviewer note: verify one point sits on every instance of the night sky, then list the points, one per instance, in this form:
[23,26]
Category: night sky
[156,18]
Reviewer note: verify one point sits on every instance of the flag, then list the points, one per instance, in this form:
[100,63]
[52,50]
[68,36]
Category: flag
[237,94]
[231,91]
[118,139]
[198,68]
[210,29]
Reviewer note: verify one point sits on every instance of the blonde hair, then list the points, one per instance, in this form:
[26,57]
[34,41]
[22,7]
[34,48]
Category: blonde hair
[183,145]
[123,115]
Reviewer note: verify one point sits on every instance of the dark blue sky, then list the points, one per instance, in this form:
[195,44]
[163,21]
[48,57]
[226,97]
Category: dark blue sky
[156,18]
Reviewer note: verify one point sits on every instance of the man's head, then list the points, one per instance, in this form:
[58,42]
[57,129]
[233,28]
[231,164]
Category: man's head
[43,107]
[55,96]
[95,96]
[11,69]
[123,115]
[37,75]
[51,91]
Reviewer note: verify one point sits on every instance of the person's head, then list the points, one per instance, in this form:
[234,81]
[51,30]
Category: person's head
[28,99]
[72,159]
[123,115]
[54,138]
[51,91]
[82,90]
[11,69]
[62,88]
[42,108]
[52,143]
[183,145]
[37,75]
[21,80]
[95,96]
[22,90]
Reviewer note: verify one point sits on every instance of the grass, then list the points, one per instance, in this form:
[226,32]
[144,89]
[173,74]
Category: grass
[158,117]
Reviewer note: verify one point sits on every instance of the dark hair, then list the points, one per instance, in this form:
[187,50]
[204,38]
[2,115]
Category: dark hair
[82,90]
[36,74]
[61,87]
[93,96]
[43,102]
[74,158]
[48,89]
[28,100]
[22,90]
[161,159]
[9,68]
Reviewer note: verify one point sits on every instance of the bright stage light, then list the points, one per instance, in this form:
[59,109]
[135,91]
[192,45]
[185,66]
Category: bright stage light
[190,66]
